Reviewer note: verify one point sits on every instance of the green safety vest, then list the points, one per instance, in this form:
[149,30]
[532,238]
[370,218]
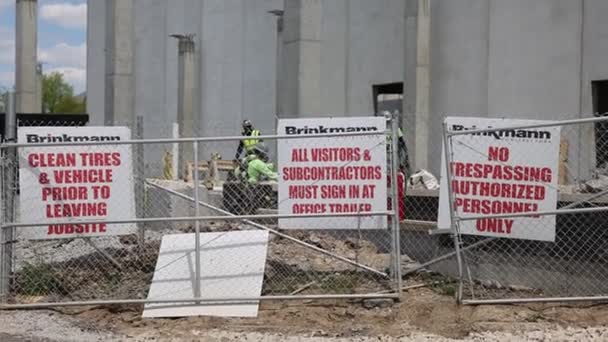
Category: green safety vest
[249,144]
[257,168]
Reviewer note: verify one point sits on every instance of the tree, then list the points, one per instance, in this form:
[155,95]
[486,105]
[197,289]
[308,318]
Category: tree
[58,95]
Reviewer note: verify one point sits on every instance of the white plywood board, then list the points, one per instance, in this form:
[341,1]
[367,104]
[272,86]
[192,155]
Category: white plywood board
[232,266]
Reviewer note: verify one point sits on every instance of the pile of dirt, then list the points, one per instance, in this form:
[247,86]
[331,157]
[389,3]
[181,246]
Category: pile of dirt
[121,270]
[306,259]
[421,310]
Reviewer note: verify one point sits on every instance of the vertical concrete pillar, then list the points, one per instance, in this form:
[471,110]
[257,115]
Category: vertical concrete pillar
[301,88]
[39,93]
[119,106]
[186,92]
[409,78]
[423,84]
[278,63]
[26,42]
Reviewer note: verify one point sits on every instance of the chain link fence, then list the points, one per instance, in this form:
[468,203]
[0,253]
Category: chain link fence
[85,245]
[529,208]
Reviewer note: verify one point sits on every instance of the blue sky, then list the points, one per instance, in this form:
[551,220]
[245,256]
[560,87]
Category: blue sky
[61,40]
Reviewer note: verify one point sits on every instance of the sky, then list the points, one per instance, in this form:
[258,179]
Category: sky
[61,40]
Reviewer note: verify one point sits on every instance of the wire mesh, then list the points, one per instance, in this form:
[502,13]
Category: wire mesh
[94,261]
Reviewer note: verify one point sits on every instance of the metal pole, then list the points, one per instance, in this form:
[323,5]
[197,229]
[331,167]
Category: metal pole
[199,139]
[395,200]
[8,168]
[197,227]
[541,125]
[203,301]
[539,213]
[453,218]
[534,300]
[193,218]
[138,162]
[276,232]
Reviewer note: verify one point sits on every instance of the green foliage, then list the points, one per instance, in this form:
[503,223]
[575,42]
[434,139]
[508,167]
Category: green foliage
[58,95]
[70,105]
[37,279]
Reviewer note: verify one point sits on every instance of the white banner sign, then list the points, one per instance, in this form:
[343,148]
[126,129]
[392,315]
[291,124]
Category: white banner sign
[332,175]
[67,183]
[502,172]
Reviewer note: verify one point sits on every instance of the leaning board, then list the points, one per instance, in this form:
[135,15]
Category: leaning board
[232,266]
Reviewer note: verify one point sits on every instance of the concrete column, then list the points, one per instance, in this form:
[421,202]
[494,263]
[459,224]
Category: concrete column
[186,92]
[409,83]
[423,85]
[39,88]
[26,55]
[119,106]
[302,58]
[278,64]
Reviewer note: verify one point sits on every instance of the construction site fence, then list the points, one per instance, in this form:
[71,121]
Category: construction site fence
[52,255]
[554,248]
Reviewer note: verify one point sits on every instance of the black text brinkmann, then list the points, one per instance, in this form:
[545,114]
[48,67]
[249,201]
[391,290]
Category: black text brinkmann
[507,133]
[291,130]
[35,138]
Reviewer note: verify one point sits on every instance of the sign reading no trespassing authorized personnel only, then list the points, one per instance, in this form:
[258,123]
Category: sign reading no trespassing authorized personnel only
[502,172]
[75,183]
[333,175]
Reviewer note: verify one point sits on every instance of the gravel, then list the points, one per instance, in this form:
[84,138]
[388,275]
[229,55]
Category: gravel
[42,325]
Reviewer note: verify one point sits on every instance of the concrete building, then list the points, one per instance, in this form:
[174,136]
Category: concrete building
[26,40]
[542,59]
[518,58]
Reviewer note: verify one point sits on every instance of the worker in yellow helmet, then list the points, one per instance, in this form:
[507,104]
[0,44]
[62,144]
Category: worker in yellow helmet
[258,167]
[250,141]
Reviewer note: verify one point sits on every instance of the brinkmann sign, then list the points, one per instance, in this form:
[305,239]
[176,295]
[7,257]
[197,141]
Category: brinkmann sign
[50,138]
[506,133]
[62,186]
[332,176]
[294,130]
[507,171]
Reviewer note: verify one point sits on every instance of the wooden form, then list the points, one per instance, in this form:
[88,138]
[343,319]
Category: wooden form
[212,169]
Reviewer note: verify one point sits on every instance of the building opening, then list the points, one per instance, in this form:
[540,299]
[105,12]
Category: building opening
[388,96]
[600,108]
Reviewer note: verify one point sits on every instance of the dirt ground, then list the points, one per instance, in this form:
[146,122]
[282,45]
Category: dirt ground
[423,314]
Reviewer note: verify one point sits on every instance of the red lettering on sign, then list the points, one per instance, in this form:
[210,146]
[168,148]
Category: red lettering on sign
[83,176]
[51,159]
[64,229]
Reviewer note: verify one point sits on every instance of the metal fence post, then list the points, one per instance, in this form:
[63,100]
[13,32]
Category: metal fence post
[395,227]
[140,195]
[197,228]
[453,217]
[8,173]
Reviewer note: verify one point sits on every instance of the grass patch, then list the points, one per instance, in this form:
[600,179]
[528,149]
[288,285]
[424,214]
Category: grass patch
[37,280]
[339,283]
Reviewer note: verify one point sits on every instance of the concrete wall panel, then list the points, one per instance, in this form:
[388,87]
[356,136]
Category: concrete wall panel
[534,58]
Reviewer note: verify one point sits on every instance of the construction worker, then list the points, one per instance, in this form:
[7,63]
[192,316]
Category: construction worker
[249,143]
[404,164]
[258,167]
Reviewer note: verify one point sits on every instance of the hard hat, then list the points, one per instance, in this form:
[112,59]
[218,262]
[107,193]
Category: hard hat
[247,124]
[387,115]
